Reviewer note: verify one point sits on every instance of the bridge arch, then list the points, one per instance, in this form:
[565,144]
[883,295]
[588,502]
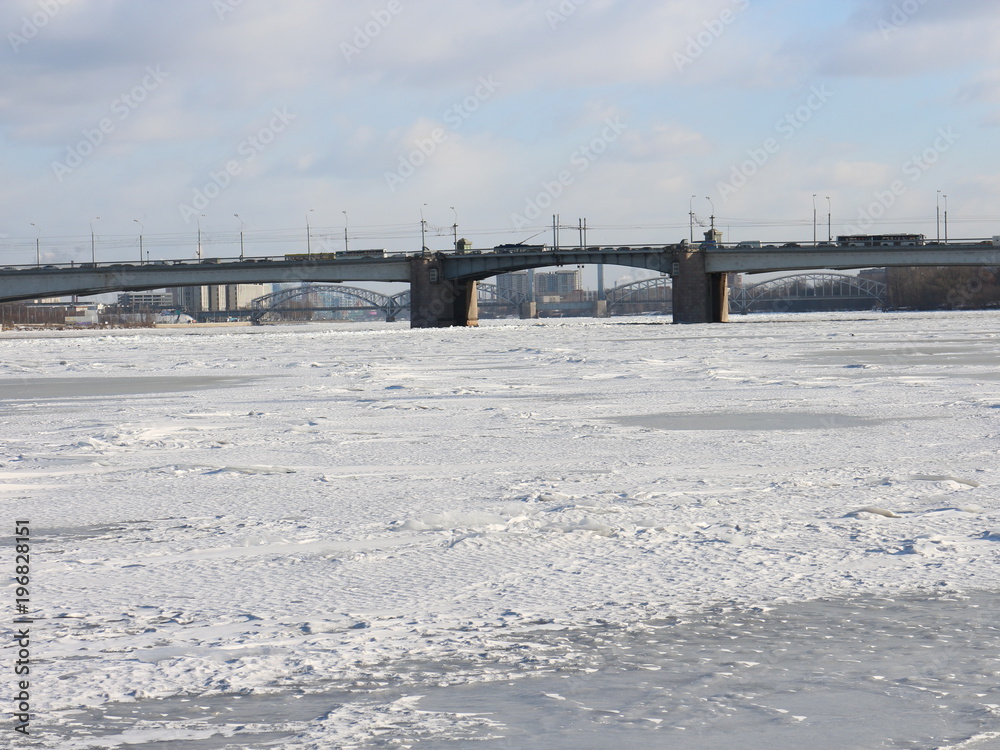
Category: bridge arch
[659,290]
[491,293]
[480,266]
[804,288]
[318,297]
[390,306]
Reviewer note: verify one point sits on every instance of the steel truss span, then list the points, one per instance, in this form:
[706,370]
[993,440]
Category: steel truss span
[809,287]
[319,297]
[638,291]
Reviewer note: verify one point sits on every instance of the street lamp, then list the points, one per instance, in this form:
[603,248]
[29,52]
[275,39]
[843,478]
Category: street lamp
[93,242]
[423,231]
[242,225]
[939,216]
[829,219]
[38,240]
[814,219]
[345,229]
[454,227]
[712,204]
[308,238]
[202,216]
[691,216]
[945,218]
[141,230]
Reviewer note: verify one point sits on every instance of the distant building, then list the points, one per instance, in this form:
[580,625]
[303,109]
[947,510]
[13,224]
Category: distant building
[217,297]
[517,282]
[874,274]
[558,282]
[554,283]
[145,300]
[239,296]
[187,298]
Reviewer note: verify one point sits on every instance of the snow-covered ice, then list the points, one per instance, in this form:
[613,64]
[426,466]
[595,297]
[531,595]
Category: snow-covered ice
[779,533]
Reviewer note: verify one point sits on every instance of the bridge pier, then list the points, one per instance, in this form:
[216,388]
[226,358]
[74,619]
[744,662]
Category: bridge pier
[699,297]
[437,302]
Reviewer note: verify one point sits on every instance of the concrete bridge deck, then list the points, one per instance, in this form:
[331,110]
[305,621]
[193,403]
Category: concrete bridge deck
[443,284]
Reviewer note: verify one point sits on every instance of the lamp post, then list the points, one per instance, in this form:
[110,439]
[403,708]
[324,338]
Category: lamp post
[454,228]
[814,219]
[829,219]
[200,217]
[712,204]
[308,238]
[242,226]
[38,241]
[939,216]
[93,241]
[141,230]
[345,229]
[945,218]
[691,216]
[423,231]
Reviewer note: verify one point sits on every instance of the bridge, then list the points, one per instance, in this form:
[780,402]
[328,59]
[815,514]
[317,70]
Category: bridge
[315,298]
[809,291]
[327,298]
[443,285]
[798,291]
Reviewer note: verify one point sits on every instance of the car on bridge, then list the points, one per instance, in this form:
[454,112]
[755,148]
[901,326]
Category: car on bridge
[880,240]
[519,247]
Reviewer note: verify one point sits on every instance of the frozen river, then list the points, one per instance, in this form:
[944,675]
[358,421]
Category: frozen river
[779,533]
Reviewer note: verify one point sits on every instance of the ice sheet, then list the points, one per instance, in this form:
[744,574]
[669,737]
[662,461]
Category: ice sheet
[388,511]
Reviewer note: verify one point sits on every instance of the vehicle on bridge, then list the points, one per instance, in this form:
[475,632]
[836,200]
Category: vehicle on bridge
[379,253]
[520,247]
[879,240]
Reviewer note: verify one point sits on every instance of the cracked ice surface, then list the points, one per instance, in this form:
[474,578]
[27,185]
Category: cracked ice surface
[783,530]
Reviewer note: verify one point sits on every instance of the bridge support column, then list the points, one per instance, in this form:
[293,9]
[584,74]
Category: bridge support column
[600,308]
[699,297]
[528,310]
[437,302]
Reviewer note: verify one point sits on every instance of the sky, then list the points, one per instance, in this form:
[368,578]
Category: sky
[128,117]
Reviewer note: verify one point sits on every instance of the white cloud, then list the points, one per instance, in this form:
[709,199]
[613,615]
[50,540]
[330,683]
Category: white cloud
[686,124]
